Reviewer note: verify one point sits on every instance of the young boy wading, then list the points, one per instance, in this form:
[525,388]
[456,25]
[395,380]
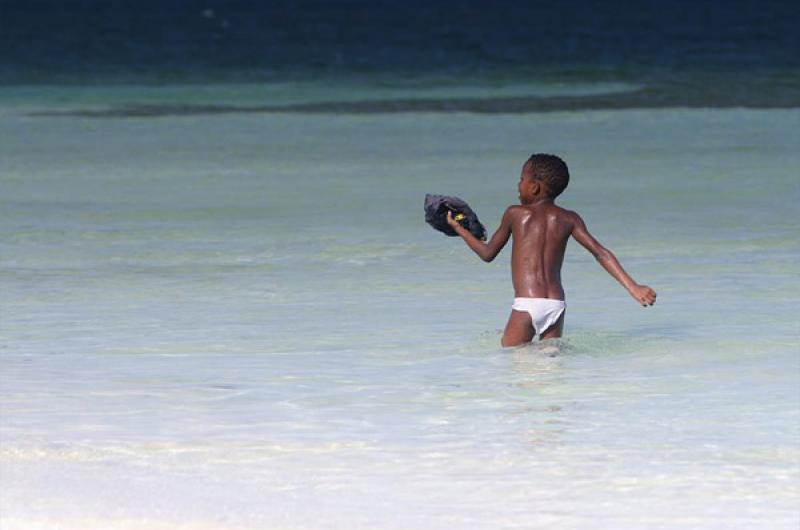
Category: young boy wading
[541,230]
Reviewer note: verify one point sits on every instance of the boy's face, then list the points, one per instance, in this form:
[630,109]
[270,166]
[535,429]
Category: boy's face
[528,187]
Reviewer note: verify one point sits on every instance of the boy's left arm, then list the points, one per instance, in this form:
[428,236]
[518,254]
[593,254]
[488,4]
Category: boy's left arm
[642,293]
[486,251]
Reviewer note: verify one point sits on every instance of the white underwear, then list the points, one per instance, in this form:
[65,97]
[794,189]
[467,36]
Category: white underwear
[544,312]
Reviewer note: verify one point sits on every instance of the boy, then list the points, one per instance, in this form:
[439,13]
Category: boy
[541,230]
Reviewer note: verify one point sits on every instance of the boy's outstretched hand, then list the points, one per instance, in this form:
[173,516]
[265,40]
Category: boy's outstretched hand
[643,294]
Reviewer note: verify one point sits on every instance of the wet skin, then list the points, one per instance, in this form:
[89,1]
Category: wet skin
[541,230]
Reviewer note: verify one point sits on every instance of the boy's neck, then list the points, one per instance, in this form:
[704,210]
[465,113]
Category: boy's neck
[540,201]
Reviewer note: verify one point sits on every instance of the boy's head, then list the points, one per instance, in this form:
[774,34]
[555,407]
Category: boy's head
[550,170]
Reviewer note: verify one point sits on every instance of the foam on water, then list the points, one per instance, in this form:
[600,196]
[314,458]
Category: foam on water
[243,322]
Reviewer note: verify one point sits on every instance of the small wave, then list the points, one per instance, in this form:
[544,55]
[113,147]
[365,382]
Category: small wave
[686,96]
[221,451]
[81,523]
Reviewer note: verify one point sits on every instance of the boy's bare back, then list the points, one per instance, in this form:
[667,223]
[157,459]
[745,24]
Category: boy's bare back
[541,230]
[540,234]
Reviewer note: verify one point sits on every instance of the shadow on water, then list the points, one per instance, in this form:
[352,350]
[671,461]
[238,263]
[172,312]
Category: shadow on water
[530,385]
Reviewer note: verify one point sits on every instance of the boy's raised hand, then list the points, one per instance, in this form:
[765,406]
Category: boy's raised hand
[643,294]
[452,222]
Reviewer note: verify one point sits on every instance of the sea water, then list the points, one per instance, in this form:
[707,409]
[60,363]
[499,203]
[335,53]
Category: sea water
[241,320]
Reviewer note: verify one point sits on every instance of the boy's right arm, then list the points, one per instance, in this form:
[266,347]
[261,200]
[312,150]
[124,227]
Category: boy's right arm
[642,293]
[489,250]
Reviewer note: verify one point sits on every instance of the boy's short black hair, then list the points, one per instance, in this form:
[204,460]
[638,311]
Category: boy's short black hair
[551,170]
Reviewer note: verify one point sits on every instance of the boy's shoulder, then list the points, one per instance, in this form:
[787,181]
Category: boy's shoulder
[514,208]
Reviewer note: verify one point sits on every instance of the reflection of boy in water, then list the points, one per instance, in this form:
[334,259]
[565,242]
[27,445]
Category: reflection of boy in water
[541,230]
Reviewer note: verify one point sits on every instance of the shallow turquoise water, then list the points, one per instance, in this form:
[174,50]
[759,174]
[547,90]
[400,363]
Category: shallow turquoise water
[242,321]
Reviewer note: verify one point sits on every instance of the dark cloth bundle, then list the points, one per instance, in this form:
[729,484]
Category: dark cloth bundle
[436,208]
